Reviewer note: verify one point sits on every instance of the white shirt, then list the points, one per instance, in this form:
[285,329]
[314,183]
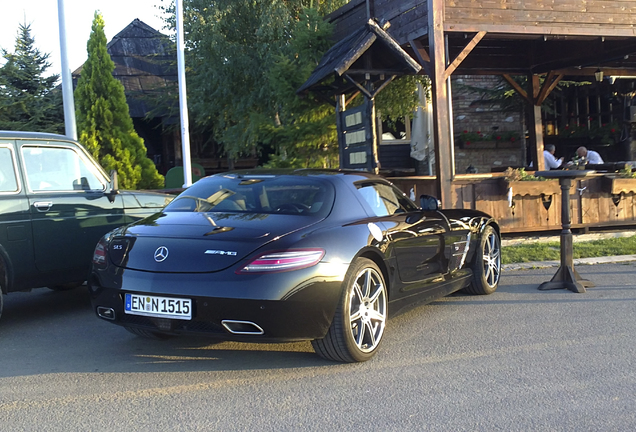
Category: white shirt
[593,157]
[550,161]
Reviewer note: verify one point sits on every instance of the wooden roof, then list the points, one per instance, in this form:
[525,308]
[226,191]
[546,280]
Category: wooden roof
[367,50]
[571,37]
[145,63]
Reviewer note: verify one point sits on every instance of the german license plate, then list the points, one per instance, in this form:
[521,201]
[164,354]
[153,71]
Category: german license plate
[163,307]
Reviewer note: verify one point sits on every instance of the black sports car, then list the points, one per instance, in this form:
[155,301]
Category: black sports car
[290,255]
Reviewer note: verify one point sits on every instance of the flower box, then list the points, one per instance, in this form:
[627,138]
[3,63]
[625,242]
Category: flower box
[615,184]
[533,188]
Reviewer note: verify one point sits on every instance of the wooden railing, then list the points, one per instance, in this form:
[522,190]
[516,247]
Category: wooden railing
[536,206]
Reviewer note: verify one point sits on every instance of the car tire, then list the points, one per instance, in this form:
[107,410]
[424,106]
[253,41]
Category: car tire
[148,334]
[360,319]
[487,264]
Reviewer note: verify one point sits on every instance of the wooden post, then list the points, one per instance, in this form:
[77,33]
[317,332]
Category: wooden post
[443,154]
[535,128]
[340,107]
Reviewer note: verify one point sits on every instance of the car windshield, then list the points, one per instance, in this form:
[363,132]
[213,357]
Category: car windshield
[291,195]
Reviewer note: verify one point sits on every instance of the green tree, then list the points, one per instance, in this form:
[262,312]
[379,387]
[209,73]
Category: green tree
[303,133]
[103,119]
[245,61]
[29,100]
[238,50]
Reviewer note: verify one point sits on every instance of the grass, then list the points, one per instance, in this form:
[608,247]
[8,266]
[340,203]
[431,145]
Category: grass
[551,251]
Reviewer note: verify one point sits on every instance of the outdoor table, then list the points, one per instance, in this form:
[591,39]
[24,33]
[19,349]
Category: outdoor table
[566,276]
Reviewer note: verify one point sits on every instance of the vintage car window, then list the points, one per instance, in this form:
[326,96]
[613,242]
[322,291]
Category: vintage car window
[293,195]
[58,169]
[384,199]
[8,179]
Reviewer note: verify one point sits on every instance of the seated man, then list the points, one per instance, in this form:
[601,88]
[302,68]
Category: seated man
[550,161]
[590,156]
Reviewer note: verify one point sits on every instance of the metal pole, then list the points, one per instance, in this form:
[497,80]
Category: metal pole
[183,103]
[67,79]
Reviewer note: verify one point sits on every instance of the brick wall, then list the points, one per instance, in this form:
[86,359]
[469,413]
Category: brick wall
[485,159]
[473,112]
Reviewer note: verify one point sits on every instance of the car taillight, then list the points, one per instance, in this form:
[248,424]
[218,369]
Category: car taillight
[99,255]
[283,261]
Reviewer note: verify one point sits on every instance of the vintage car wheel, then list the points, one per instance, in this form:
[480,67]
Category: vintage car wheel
[148,334]
[360,319]
[487,264]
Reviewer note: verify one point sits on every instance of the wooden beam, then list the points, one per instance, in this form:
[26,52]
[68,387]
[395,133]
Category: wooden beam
[574,30]
[441,114]
[374,72]
[549,84]
[358,86]
[590,72]
[535,128]
[464,53]
[352,97]
[422,56]
[543,91]
[383,85]
[515,85]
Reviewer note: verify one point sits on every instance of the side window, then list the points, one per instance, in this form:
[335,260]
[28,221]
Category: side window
[384,199]
[58,169]
[8,180]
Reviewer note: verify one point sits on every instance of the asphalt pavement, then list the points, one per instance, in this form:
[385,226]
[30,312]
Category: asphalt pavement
[517,360]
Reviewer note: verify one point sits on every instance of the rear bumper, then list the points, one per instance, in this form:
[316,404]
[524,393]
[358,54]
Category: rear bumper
[297,305]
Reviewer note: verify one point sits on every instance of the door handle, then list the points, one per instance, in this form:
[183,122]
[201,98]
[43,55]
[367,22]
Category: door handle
[43,206]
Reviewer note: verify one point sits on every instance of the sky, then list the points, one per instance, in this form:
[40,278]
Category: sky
[42,15]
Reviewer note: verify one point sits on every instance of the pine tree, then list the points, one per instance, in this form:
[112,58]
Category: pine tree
[29,100]
[104,122]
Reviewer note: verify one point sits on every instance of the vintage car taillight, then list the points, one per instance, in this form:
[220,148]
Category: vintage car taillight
[283,261]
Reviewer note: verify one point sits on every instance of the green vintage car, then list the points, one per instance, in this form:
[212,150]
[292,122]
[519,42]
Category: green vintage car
[56,202]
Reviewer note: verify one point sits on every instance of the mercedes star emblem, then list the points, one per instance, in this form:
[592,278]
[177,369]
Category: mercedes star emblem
[161,254]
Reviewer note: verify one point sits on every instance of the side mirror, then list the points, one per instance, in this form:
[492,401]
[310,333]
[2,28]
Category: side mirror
[81,184]
[114,186]
[430,203]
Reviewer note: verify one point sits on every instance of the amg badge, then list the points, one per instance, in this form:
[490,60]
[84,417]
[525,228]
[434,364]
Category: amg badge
[220,252]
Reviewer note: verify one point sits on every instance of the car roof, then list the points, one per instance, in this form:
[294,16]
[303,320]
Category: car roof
[302,172]
[33,136]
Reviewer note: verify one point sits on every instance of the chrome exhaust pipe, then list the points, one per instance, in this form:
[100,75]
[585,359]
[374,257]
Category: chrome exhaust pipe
[242,327]
[106,313]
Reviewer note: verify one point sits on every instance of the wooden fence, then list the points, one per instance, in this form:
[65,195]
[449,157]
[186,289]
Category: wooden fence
[598,201]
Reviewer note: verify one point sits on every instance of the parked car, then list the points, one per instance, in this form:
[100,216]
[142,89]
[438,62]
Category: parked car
[56,202]
[290,255]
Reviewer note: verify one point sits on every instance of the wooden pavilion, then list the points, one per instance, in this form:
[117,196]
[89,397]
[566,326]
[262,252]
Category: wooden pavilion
[548,39]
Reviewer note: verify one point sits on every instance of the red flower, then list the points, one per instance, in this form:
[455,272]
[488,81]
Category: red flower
[498,137]
[467,142]
[512,139]
[613,130]
[479,132]
[465,131]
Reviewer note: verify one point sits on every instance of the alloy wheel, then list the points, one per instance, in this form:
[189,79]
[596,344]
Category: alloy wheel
[367,309]
[492,259]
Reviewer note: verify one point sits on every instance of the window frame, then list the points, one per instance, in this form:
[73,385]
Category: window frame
[81,155]
[398,194]
[16,172]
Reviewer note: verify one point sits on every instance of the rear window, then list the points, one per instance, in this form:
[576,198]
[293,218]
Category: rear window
[290,195]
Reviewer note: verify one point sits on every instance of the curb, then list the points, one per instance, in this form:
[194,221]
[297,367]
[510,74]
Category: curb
[578,261]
